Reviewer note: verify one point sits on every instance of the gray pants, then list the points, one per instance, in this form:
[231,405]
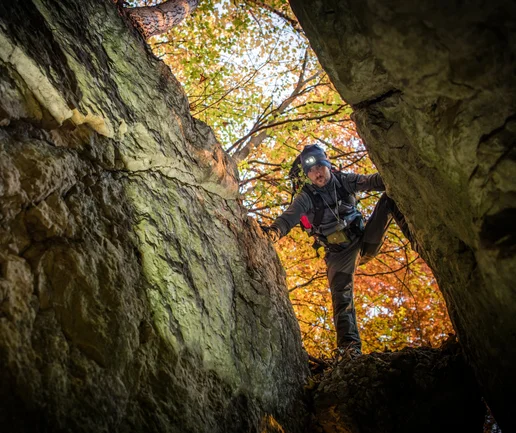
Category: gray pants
[341,267]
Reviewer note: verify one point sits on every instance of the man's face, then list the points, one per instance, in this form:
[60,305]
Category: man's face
[319,175]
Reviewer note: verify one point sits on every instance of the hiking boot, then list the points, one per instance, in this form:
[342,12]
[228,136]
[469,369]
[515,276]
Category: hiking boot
[348,353]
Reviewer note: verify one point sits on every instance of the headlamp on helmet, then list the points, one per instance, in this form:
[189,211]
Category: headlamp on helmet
[313,155]
[310,161]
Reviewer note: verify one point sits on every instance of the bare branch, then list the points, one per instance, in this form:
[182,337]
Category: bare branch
[240,84]
[255,140]
[391,271]
[293,23]
[274,124]
[268,207]
[255,161]
[316,277]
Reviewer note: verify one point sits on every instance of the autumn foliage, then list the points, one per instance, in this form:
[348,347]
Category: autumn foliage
[249,73]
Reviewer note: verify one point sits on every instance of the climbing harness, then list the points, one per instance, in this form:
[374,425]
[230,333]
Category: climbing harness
[348,226]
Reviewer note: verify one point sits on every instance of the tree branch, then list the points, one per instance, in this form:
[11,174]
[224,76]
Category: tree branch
[293,23]
[274,124]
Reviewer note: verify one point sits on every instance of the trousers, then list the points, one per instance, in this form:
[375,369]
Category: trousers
[341,265]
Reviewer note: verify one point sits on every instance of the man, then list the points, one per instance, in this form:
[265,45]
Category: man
[329,204]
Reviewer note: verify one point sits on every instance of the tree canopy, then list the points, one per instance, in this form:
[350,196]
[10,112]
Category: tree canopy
[249,73]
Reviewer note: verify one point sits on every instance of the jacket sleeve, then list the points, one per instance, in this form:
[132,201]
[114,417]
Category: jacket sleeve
[288,219]
[362,182]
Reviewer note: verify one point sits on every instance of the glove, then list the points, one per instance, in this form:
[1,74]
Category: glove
[272,233]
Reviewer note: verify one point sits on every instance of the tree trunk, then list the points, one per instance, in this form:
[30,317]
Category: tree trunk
[155,20]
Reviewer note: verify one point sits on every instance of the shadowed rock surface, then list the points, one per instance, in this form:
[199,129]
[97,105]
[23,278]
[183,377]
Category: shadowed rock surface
[415,390]
[433,87]
[135,295]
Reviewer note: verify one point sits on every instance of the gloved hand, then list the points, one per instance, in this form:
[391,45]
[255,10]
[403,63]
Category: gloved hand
[272,233]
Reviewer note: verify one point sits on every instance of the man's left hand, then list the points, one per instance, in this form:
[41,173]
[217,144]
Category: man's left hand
[272,233]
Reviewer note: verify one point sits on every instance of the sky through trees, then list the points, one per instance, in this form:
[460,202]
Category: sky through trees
[250,74]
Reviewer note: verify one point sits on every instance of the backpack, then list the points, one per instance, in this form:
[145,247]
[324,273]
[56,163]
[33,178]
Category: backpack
[296,177]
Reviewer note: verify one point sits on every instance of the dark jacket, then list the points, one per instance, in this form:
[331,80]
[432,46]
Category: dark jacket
[302,204]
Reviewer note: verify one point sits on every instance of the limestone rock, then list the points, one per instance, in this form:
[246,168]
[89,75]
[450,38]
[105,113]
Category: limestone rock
[434,93]
[135,295]
[423,390]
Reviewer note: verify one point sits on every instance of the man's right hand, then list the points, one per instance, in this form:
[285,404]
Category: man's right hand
[272,233]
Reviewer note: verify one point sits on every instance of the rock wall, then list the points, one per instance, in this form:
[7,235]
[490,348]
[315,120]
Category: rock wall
[135,295]
[433,88]
[420,390]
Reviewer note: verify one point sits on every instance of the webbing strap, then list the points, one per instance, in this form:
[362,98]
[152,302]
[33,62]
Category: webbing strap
[318,206]
[342,192]
[318,203]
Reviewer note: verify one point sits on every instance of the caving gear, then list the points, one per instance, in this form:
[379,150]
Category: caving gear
[347,226]
[339,236]
[313,155]
[305,223]
[309,202]
[295,175]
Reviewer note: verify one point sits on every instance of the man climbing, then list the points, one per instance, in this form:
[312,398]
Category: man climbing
[327,210]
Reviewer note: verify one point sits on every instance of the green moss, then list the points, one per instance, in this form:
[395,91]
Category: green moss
[189,286]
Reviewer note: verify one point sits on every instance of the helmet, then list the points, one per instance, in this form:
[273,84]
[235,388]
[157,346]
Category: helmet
[313,155]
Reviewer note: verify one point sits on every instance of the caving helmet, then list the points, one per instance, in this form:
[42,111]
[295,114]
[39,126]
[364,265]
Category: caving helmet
[313,155]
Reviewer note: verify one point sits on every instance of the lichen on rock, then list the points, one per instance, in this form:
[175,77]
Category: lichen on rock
[135,294]
[434,97]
